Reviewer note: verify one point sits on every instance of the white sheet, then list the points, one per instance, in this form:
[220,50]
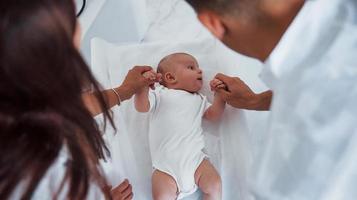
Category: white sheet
[106,19]
[228,142]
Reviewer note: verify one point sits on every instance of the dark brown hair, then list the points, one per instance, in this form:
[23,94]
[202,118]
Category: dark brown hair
[223,7]
[214,5]
[42,76]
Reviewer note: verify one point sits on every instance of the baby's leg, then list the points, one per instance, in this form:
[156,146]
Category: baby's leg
[163,186]
[209,181]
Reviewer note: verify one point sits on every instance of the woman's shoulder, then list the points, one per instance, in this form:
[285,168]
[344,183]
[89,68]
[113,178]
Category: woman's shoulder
[50,184]
[54,182]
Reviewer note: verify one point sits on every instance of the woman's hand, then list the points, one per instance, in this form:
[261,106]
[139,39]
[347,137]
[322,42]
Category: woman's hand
[135,81]
[152,76]
[124,191]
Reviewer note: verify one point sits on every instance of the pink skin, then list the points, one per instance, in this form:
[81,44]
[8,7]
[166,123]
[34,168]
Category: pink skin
[187,73]
[182,73]
[216,84]
[152,76]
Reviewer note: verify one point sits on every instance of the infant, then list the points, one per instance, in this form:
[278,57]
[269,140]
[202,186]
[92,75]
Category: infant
[175,133]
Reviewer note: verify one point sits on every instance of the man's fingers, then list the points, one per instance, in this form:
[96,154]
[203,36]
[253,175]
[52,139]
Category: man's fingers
[224,78]
[223,93]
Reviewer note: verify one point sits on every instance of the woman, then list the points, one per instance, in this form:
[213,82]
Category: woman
[49,143]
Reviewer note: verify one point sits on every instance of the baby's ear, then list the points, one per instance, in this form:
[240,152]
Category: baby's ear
[169,77]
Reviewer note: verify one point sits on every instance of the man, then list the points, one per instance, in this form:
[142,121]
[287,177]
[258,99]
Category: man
[309,49]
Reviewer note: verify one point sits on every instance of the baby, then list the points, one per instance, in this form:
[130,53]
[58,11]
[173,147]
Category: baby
[175,134]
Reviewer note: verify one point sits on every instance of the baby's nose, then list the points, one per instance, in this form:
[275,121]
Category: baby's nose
[199,71]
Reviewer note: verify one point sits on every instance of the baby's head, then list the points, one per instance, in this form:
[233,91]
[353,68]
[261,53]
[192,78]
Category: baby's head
[180,71]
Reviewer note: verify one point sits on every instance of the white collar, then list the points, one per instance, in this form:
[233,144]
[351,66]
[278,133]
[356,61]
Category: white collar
[300,42]
[274,68]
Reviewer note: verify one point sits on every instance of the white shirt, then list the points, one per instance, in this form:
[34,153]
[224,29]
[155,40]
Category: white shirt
[312,138]
[51,183]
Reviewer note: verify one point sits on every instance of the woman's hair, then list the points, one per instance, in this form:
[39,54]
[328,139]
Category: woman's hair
[42,76]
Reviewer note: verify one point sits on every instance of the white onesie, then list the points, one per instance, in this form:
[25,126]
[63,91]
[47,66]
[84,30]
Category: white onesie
[176,136]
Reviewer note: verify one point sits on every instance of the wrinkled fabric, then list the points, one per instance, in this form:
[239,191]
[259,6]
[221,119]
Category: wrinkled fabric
[309,151]
[228,142]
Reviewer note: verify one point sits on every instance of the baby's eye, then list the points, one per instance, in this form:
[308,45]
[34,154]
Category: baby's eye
[190,67]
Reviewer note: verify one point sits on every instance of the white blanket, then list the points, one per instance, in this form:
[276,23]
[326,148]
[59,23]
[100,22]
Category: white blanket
[228,141]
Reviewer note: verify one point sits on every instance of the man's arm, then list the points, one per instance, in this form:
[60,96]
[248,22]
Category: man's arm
[262,101]
[239,95]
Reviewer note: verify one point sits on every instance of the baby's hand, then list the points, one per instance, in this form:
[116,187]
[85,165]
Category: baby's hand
[152,77]
[216,84]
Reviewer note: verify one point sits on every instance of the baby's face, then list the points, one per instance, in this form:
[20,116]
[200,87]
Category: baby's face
[187,73]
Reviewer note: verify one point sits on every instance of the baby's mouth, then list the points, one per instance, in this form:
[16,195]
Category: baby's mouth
[200,79]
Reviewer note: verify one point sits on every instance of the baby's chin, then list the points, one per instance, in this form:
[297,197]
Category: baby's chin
[194,89]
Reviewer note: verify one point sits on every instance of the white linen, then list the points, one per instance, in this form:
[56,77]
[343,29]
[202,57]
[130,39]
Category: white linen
[228,141]
[114,21]
[312,140]
[176,135]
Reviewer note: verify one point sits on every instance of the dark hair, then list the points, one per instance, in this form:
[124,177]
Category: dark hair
[222,7]
[42,76]
[219,6]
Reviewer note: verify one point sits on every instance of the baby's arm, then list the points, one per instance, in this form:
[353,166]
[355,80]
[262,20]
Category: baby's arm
[141,98]
[215,111]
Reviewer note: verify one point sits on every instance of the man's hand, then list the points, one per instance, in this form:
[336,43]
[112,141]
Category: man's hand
[239,95]
[216,84]
[123,191]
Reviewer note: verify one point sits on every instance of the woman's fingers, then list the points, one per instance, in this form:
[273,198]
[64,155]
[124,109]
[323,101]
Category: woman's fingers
[123,191]
[120,188]
[130,197]
[127,192]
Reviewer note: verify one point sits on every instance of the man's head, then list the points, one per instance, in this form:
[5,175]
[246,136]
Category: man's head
[180,71]
[250,27]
